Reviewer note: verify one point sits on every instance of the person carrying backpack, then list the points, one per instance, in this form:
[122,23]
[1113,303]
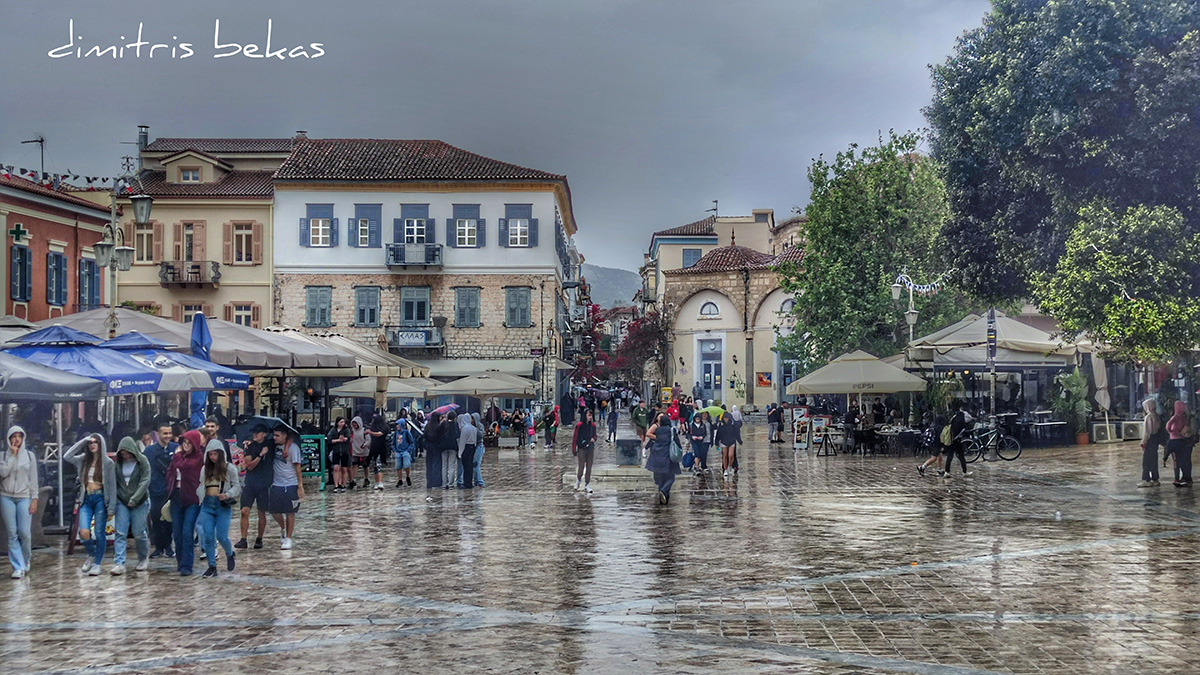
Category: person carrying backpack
[958,425]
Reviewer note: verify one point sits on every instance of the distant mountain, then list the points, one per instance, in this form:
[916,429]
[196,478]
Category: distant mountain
[611,287]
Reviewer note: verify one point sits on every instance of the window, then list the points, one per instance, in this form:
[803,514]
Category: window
[21,274]
[366,302]
[710,309]
[318,306]
[56,279]
[364,233]
[414,306]
[691,256]
[189,241]
[190,311]
[413,226]
[243,315]
[787,306]
[243,243]
[189,175]
[364,226]
[89,283]
[466,307]
[318,229]
[143,242]
[518,232]
[414,230]
[516,307]
[465,229]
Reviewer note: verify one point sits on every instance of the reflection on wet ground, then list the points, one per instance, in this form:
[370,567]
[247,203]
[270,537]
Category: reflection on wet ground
[1056,563]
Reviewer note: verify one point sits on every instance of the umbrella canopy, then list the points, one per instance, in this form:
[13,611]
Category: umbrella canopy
[136,340]
[367,387]
[443,409]
[120,373]
[854,373]
[22,380]
[490,383]
[209,375]
[201,343]
[176,378]
[242,431]
[58,335]
[296,353]
[965,343]
[713,411]
[369,361]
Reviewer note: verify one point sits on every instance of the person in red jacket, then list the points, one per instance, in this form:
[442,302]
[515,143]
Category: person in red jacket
[183,478]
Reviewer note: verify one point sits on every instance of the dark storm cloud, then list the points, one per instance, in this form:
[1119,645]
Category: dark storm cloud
[651,108]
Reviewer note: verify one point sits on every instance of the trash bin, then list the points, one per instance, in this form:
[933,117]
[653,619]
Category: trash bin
[629,452]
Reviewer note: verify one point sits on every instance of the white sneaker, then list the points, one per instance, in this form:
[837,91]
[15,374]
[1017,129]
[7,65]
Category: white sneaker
[142,565]
[286,544]
[588,488]
[577,484]
[968,474]
[87,566]
[95,571]
[117,570]
[17,574]
[379,486]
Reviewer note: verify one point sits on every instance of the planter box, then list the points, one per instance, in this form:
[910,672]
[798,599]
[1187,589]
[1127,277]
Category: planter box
[510,441]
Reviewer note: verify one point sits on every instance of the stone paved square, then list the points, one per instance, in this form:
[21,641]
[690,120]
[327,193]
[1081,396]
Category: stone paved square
[1055,563]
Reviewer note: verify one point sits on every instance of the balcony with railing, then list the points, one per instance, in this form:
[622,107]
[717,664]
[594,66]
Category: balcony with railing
[193,273]
[413,255]
[414,337]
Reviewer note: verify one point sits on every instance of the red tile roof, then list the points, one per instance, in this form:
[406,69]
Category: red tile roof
[220,145]
[384,159]
[31,187]
[737,258]
[205,155]
[698,228]
[235,184]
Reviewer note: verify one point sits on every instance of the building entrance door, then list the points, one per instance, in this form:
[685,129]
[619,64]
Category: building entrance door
[711,358]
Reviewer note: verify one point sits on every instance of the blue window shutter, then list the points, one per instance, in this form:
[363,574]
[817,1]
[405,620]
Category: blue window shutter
[51,281]
[95,270]
[503,232]
[28,275]
[481,233]
[533,237]
[14,278]
[352,231]
[451,235]
[397,230]
[430,229]
[79,284]
[373,228]
[333,232]
[305,237]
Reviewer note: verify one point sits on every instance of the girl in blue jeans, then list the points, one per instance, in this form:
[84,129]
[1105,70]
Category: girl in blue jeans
[18,498]
[97,496]
[218,490]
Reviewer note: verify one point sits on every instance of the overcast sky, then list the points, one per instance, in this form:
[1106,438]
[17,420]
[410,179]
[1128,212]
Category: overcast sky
[651,108]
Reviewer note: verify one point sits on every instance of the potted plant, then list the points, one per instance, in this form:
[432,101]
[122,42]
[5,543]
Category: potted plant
[509,438]
[1071,403]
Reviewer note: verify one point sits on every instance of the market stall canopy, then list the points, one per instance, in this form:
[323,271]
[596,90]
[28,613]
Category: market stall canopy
[23,381]
[465,367]
[855,373]
[490,383]
[367,387]
[74,351]
[407,368]
[369,361]
[964,344]
[300,354]
[211,376]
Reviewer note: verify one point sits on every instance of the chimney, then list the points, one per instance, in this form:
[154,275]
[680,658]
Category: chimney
[300,135]
[143,136]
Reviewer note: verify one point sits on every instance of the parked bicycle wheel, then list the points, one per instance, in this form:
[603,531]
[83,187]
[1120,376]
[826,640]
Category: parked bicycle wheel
[1008,448]
[972,449]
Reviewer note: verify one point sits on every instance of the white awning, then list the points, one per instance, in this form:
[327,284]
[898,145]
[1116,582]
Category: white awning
[467,367]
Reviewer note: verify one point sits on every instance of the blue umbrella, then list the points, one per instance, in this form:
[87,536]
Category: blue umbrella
[144,346]
[58,335]
[120,373]
[201,344]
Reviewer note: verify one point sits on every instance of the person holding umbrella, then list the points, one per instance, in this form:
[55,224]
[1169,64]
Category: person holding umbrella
[433,454]
[287,486]
[449,449]
[257,460]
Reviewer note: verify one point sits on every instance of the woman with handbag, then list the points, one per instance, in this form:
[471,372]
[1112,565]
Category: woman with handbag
[217,492]
[1181,430]
[663,459]
[583,446]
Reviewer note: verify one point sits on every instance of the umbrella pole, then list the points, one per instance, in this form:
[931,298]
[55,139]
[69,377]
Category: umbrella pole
[59,439]
[137,413]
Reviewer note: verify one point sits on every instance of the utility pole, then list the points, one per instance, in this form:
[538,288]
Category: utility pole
[41,141]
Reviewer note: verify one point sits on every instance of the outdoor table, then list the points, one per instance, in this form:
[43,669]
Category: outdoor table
[1043,431]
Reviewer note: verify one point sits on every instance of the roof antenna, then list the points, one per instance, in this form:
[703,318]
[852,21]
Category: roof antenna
[41,141]
[713,209]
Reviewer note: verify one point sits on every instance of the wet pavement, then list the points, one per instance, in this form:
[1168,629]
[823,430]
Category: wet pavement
[1055,563]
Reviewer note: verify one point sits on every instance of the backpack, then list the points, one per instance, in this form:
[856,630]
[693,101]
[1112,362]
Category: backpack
[946,438]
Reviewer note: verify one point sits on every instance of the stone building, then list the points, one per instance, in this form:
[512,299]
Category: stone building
[458,261]
[724,304]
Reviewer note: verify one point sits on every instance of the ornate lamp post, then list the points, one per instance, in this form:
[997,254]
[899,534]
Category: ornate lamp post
[904,281]
[113,251]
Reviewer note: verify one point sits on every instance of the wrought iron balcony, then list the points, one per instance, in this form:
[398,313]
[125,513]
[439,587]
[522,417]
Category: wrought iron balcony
[196,273]
[414,255]
[414,337]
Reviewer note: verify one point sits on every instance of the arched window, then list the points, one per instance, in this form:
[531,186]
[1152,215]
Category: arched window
[786,307]
[710,309]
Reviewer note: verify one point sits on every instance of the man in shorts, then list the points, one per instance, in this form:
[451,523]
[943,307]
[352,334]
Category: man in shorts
[257,461]
[287,488]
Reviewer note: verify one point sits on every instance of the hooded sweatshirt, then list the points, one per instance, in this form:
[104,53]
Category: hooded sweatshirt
[134,491]
[76,454]
[1178,424]
[466,434]
[1152,421]
[480,431]
[18,474]
[360,443]
[233,485]
[185,469]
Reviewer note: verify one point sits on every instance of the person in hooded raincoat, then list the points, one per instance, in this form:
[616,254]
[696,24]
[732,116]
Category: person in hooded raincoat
[133,505]
[18,499]
[97,496]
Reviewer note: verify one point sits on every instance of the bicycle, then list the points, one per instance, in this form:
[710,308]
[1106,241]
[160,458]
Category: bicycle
[975,445]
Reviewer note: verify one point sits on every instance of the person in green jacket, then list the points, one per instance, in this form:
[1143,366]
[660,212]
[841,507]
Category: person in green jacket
[133,505]
[641,420]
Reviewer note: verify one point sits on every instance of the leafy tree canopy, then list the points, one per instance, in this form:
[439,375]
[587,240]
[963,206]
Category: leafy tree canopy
[1130,279]
[872,214]
[1050,105]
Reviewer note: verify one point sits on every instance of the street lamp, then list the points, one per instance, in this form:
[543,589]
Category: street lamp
[113,251]
[904,281]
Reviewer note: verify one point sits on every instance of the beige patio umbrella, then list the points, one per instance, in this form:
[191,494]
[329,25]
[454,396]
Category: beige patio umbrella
[489,383]
[367,387]
[856,373]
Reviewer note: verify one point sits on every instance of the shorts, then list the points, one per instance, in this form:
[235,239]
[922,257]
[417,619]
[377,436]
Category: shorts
[362,461]
[403,460]
[255,493]
[283,499]
[341,458]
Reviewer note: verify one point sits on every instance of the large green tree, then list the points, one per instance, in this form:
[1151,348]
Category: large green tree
[873,213]
[1129,279]
[1050,105]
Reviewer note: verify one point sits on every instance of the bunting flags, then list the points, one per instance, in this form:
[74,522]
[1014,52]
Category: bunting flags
[55,181]
[923,290]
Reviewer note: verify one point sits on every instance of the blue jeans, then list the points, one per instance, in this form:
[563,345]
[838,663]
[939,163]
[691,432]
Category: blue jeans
[17,521]
[135,518]
[183,528]
[213,522]
[478,459]
[664,481]
[93,516]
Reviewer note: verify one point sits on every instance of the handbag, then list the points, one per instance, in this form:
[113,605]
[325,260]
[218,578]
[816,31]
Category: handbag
[676,451]
[689,458]
[228,501]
